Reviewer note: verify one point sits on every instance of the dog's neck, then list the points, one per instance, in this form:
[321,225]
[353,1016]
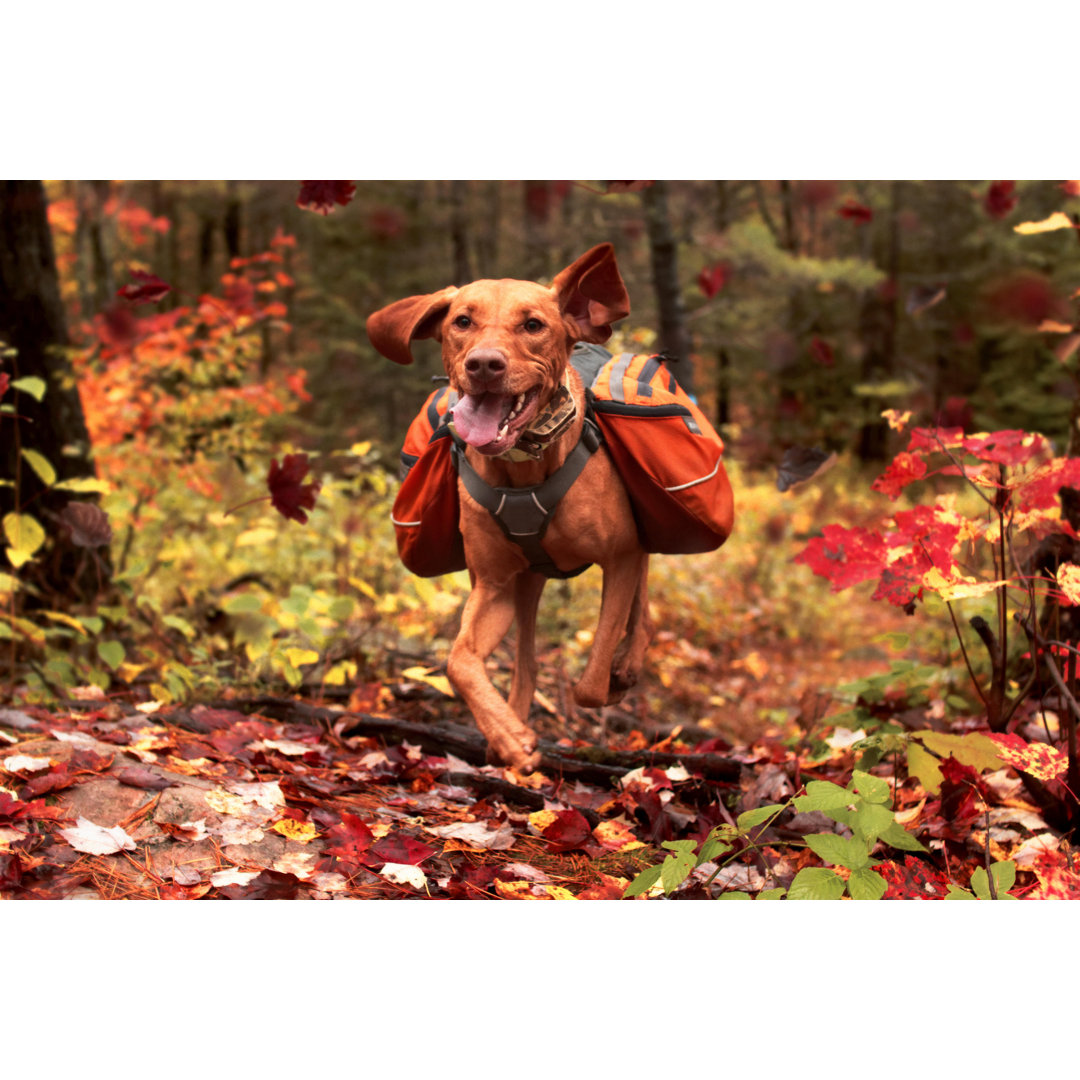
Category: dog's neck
[548,440]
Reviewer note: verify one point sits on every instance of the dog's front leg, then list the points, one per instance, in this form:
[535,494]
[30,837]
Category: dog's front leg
[488,613]
[527,592]
[622,577]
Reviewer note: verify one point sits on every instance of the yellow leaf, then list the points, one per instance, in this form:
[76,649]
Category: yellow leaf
[541,819]
[897,420]
[420,674]
[1056,220]
[302,832]
[256,537]
[1049,326]
[1068,579]
[67,620]
[25,535]
[298,657]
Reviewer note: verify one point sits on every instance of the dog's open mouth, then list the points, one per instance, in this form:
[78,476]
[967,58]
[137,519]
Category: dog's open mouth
[493,422]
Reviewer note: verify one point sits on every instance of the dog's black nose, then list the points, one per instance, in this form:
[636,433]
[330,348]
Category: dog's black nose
[486,364]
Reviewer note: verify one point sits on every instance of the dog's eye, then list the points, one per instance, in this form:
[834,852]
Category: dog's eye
[463,322]
[533,325]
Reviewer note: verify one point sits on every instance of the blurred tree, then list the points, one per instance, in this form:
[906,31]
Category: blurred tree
[32,322]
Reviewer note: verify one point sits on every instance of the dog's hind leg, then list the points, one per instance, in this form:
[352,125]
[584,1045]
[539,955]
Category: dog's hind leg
[527,590]
[622,582]
[630,656]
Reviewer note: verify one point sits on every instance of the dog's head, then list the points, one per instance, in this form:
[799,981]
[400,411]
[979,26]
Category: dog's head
[505,344]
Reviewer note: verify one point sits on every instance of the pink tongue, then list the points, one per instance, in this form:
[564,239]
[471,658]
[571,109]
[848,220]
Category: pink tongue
[478,417]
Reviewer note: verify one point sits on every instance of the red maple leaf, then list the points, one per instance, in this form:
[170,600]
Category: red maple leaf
[321,195]
[856,212]
[568,831]
[713,278]
[1036,759]
[290,496]
[915,880]
[398,848]
[144,288]
[845,556]
[5,382]
[350,840]
[1001,200]
[904,469]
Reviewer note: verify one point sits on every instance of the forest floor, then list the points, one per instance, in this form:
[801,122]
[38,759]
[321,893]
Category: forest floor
[388,795]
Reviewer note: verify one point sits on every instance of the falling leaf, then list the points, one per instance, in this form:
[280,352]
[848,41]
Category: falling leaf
[321,195]
[923,297]
[856,212]
[96,839]
[86,524]
[1052,326]
[801,464]
[144,288]
[288,493]
[713,278]
[1055,221]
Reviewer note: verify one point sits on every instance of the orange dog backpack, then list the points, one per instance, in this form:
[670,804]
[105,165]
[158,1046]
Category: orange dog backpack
[666,451]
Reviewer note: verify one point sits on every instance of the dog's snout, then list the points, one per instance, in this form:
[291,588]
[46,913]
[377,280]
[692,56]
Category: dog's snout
[486,364]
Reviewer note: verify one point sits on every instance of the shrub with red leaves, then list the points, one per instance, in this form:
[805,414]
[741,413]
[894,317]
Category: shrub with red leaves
[1025,298]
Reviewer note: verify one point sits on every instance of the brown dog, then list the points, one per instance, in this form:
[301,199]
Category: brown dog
[506,346]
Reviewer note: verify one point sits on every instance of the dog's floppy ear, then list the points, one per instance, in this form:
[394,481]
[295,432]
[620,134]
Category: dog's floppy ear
[591,293]
[393,328]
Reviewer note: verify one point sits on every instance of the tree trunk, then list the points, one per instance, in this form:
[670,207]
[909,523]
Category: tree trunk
[538,197]
[231,223]
[674,333]
[877,325]
[32,323]
[459,231]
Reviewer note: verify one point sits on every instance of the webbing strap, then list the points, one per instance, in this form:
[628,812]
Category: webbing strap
[523,514]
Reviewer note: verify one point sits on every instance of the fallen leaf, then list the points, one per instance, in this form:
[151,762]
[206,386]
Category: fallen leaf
[96,839]
[404,874]
[476,834]
[24,763]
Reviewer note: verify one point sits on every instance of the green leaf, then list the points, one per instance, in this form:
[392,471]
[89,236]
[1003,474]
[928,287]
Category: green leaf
[842,851]
[896,836]
[816,883]
[733,894]
[956,893]
[872,788]
[757,816]
[643,882]
[772,894]
[112,653]
[1004,875]
[864,884]
[823,795]
[175,622]
[711,848]
[41,465]
[30,384]
[676,868]
[924,767]
[871,820]
[241,603]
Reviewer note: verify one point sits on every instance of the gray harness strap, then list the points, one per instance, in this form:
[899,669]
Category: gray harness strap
[523,514]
